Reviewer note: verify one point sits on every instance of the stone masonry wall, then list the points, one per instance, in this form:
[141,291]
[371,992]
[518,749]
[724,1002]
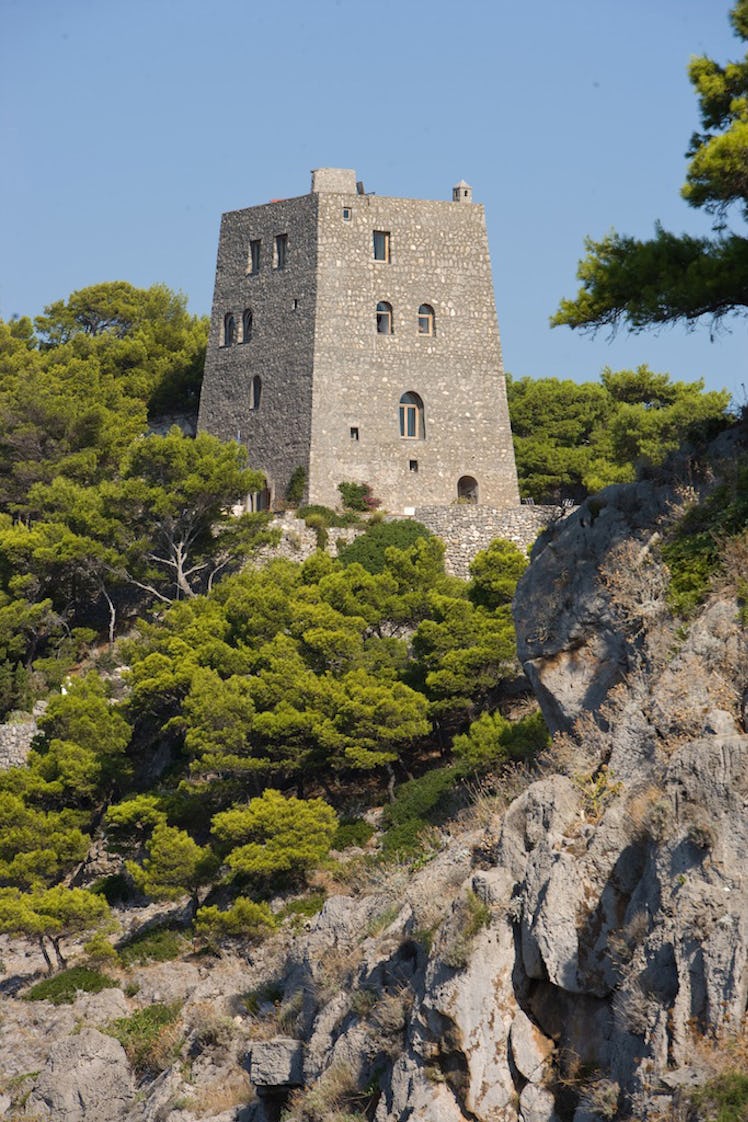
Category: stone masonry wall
[15,742]
[277,434]
[331,384]
[465,530]
[438,255]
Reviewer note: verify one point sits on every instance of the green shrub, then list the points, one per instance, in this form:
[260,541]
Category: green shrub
[492,740]
[693,553]
[725,1098]
[296,485]
[419,805]
[472,916]
[159,944]
[317,523]
[116,888]
[306,906]
[424,798]
[63,988]
[404,840]
[353,831]
[243,920]
[100,951]
[253,1000]
[325,515]
[368,549]
[149,1037]
[358,496]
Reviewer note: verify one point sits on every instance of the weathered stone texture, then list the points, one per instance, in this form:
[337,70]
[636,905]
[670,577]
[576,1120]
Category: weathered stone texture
[15,742]
[465,530]
[331,384]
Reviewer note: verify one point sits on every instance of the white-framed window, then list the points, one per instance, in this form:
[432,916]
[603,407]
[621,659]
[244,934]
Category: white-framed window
[384,318]
[412,423]
[426,320]
[381,245]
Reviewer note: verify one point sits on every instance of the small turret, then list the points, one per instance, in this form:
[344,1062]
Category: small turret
[462,192]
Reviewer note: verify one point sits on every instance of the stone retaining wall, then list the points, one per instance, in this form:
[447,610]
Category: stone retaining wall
[465,530]
[15,742]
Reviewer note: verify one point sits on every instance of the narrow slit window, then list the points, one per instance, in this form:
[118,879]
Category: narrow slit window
[255,392]
[281,250]
[255,255]
[381,245]
[246,325]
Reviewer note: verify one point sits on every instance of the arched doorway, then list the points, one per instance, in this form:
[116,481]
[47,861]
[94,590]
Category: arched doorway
[467,490]
[260,500]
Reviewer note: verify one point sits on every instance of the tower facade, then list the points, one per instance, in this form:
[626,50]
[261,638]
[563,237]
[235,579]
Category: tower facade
[355,336]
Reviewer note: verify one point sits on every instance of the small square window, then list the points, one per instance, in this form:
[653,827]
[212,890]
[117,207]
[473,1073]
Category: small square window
[354,433]
[347,212]
[281,250]
[413,465]
[381,245]
[255,253]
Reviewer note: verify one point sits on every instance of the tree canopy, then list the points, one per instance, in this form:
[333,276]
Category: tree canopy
[571,438]
[675,278]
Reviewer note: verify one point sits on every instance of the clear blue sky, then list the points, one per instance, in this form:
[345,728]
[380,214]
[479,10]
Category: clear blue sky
[128,127]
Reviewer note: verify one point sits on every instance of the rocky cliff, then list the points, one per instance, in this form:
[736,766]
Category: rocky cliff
[577,952]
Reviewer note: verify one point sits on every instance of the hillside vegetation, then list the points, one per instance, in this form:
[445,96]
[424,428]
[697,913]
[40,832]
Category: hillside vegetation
[234,742]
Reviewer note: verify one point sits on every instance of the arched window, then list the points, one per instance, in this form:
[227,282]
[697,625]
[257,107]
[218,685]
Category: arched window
[246,325]
[467,489]
[255,392]
[412,424]
[229,329]
[384,318]
[426,321]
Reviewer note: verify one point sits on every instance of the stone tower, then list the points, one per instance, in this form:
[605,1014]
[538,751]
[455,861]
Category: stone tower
[355,336]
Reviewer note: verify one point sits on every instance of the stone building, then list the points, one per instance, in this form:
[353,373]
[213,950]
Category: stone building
[355,336]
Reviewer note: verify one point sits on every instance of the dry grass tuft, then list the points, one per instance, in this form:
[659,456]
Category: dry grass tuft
[231,1090]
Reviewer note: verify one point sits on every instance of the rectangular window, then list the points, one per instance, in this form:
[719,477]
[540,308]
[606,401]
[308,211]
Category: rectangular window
[381,245]
[354,433]
[413,465]
[255,253]
[281,250]
[347,213]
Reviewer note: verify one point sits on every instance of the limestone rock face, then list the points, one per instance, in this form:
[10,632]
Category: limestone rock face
[569,635]
[277,1063]
[555,962]
[86,1078]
